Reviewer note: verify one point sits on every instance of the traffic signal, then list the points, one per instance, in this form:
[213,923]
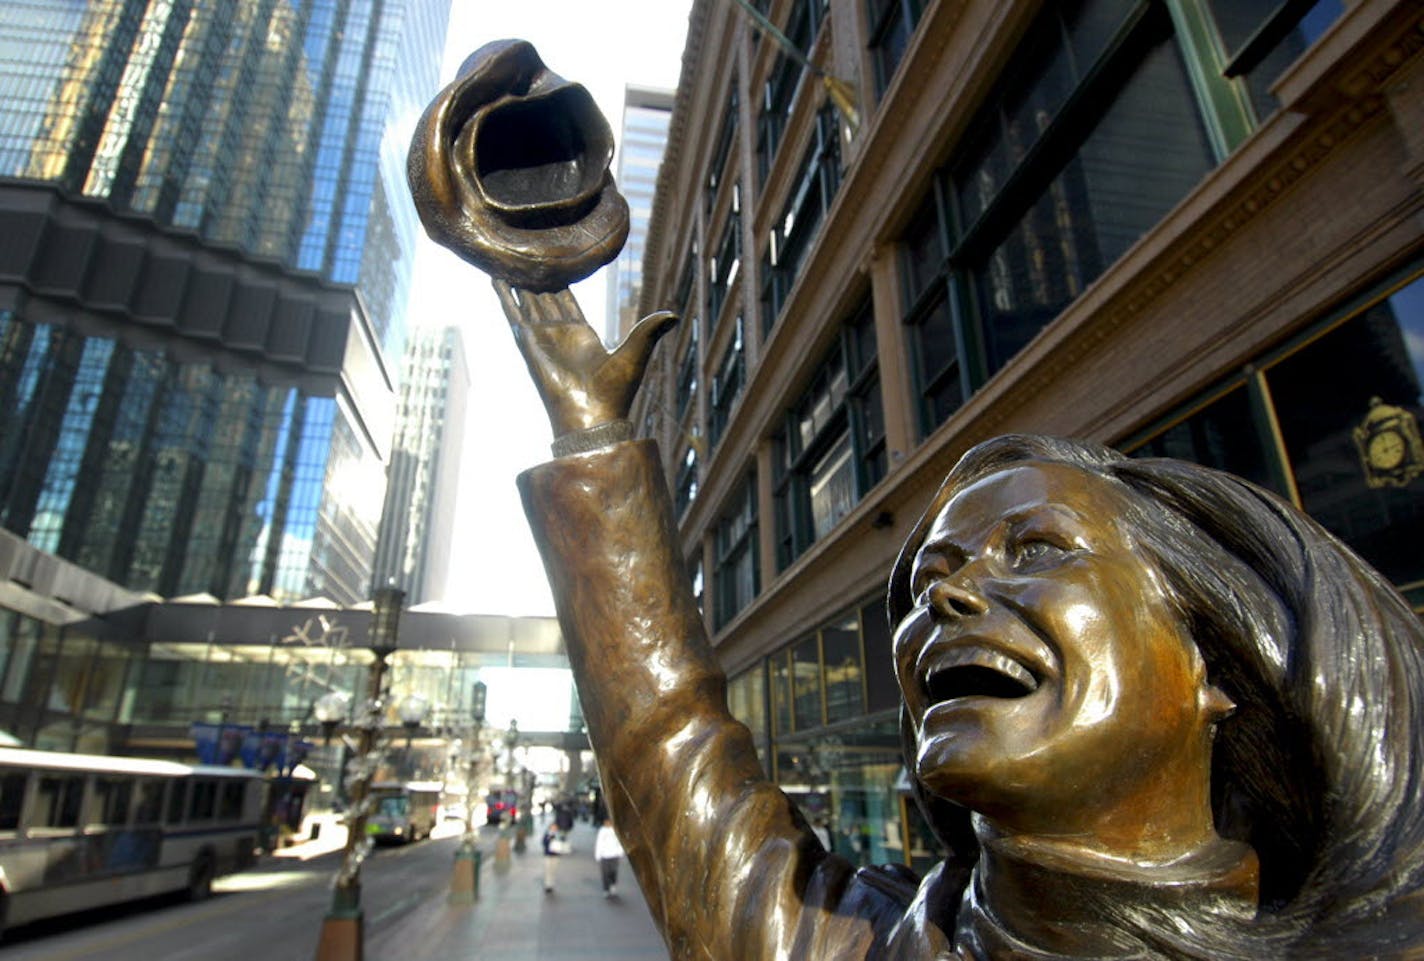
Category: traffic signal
[477,701]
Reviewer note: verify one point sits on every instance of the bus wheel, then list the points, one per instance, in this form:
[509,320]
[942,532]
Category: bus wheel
[200,878]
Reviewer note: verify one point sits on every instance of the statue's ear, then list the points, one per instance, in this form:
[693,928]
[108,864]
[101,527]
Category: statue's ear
[1215,705]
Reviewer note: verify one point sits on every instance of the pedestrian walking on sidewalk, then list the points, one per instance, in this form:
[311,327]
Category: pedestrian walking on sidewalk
[554,847]
[564,814]
[608,852]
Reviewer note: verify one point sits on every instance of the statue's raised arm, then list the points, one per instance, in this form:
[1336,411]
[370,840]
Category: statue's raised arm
[714,845]
[1155,712]
[583,386]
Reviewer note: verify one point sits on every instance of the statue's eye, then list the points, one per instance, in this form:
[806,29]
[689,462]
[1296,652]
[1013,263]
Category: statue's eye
[1037,553]
[931,567]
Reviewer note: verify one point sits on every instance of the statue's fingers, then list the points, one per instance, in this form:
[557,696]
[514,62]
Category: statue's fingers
[533,310]
[557,308]
[567,305]
[509,301]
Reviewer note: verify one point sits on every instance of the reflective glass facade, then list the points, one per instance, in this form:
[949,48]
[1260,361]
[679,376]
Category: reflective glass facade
[248,134]
[413,548]
[173,476]
[646,113]
[128,684]
[277,127]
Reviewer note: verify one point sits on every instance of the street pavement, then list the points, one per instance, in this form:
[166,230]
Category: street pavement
[273,911]
[515,920]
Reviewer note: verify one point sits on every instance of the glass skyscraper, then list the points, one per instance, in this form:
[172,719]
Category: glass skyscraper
[205,253]
[646,113]
[416,536]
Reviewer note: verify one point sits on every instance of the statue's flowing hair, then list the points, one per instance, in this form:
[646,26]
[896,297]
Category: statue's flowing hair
[1321,768]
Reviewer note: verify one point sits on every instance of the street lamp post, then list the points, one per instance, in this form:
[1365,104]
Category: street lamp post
[330,710]
[465,882]
[341,931]
[515,782]
[412,711]
[503,843]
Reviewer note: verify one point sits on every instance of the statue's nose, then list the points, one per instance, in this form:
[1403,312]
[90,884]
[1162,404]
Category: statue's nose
[957,596]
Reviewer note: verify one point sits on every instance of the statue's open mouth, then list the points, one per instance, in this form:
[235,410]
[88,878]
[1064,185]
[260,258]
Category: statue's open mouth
[978,672]
[541,160]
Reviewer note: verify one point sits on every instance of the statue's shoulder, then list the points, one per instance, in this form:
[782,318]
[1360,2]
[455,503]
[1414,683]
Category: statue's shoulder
[897,882]
[925,909]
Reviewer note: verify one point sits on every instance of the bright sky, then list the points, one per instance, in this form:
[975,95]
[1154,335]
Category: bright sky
[603,44]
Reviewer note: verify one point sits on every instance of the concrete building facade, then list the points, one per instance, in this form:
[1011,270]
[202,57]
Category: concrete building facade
[416,537]
[1181,227]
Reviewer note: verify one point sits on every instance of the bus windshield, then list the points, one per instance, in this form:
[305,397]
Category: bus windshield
[394,807]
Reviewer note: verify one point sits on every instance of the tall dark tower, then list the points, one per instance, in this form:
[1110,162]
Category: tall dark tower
[205,261]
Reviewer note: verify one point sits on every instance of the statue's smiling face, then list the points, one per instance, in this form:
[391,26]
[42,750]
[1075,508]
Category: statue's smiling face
[1042,666]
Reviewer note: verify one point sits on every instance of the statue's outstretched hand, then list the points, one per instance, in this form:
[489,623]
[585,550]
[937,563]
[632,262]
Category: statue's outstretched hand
[581,384]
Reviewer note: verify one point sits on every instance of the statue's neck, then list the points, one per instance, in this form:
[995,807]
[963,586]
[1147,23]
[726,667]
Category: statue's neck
[1065,900]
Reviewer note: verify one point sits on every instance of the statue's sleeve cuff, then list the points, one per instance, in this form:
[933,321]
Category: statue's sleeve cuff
[592,438]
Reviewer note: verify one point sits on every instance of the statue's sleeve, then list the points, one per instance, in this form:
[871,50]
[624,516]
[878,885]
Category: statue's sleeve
[729,868]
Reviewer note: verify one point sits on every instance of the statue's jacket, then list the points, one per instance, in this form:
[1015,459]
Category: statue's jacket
[729,867]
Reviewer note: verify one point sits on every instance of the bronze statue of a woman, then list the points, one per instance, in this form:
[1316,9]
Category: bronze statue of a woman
[1153,711]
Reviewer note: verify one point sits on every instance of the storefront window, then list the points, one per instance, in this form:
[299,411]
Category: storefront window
[780,667]
[847,789]
[746,694]
[881,689]
[71,675]
[24,633]
[1226,434]
[7,631]
[845,689]
[1349,405]
[925,849]
[106,682]
[806,661]
[40,690]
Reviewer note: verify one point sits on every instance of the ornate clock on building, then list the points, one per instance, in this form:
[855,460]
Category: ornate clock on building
[1390,447]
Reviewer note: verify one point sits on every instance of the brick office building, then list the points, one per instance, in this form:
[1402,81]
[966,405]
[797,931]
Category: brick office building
[1187,227]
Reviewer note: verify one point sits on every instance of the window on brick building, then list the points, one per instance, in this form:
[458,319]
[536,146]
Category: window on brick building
[892,24]
[1262,38]
[685,489]
[725,262]
[832,448]
[727,385]
[736,578]
[779,90]
[717,166]
[1092,135]
[791,236]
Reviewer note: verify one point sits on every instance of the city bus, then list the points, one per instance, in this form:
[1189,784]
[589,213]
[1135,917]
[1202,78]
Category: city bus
[82,831]
[403,811]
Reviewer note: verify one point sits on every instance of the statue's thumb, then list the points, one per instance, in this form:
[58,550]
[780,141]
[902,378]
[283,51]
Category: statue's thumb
[644,336]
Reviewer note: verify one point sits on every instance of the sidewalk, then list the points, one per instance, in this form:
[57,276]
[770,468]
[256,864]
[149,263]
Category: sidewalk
[514,920]
[330,836]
